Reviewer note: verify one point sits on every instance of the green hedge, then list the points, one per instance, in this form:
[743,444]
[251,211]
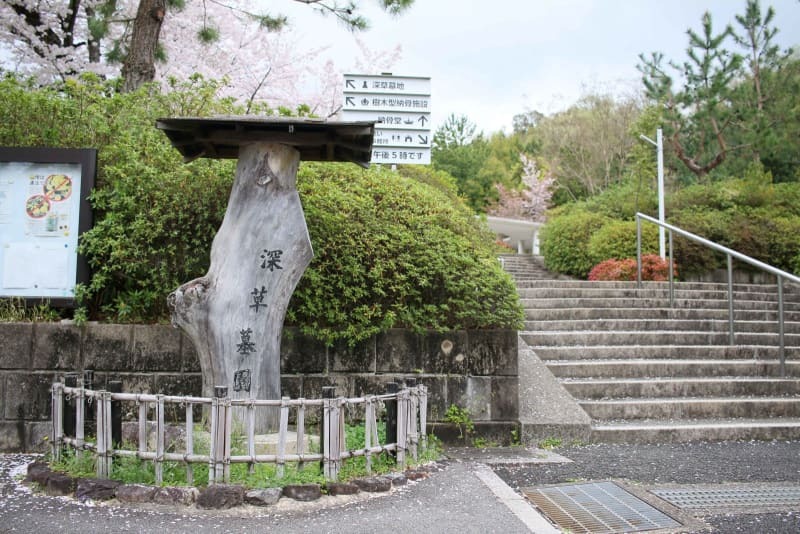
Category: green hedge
[617,240]
[391,250]
[565,242]
[750,215]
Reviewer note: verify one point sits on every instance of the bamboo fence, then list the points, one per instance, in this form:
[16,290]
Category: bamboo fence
[411,403]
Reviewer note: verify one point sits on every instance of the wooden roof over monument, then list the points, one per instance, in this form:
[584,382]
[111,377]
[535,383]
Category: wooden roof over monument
[315,139]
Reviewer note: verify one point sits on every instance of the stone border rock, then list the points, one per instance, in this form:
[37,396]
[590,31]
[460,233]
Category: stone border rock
[215,496]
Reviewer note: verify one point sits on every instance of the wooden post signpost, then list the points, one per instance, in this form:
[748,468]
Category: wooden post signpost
[234,314]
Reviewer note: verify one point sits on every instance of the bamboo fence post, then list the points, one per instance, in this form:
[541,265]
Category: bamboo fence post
[251,437]
[226,436]
[57,416]
[402,426]
[100,452]
[423,414]
[369,422]
[104,442]
[328,392]
[332,451]
[159,459]
[413,433]
[283,430]
[142,427]
[79,415]
[300,446]
[212,453]
[341,442]
[375,439]
[109,431]
[189,443]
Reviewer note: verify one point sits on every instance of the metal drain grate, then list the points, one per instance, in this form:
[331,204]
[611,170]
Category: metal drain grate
[712,497]
[597,507]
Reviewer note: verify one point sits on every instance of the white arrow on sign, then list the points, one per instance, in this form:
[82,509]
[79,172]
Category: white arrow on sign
[389,137]
[399,120]
[377,102]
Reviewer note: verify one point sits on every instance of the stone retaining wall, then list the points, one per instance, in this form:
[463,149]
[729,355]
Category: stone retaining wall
[472,369]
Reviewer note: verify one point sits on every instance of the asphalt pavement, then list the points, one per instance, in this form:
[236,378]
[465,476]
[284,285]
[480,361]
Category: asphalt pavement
[473,491]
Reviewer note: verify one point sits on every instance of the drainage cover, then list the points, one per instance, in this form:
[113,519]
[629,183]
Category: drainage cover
[597,507]
[711,497]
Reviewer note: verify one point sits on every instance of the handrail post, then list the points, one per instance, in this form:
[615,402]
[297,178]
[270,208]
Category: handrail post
[638,251]
[731,336]
[671,274]
[781,344]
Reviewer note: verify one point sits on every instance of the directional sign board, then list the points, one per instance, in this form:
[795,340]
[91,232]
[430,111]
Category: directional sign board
[401,108]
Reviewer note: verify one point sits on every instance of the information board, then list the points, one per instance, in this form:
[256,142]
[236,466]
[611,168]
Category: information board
[401,109]
[43,210]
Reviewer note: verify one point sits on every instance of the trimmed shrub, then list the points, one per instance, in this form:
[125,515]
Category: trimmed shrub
[614,270]
[394,252]
[617,240]
[565,242]
[653,269]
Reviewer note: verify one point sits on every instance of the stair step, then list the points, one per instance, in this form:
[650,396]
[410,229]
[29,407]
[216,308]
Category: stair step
[663,324]
[702,286]
[650,293]
[556,314]
[646,370]
[629,302]
[619,337]
[657,431]
[681,387]
[669,368]
[664,352]
[691,408]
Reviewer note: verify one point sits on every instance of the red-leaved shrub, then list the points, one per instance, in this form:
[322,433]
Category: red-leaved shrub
[653,269]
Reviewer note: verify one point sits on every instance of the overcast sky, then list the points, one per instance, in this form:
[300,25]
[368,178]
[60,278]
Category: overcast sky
[492,59]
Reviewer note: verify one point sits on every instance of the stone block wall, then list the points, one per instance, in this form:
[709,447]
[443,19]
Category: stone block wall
[476,370]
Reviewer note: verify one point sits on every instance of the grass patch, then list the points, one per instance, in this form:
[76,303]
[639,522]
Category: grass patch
[265,475]
[550,443]
[14,310]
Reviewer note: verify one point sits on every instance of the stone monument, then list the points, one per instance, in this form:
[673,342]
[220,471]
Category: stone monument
[234,314]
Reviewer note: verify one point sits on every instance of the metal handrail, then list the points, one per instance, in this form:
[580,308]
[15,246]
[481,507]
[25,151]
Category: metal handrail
[729,254]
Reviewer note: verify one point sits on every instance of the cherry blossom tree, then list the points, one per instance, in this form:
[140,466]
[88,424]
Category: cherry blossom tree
[56,39]
[532,201]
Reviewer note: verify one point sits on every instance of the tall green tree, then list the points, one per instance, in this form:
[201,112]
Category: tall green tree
[765,96]
[586,147]
[733,100]
[698,115]
[461,152]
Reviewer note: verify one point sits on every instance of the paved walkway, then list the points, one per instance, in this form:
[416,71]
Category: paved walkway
[453,500]
[476,491]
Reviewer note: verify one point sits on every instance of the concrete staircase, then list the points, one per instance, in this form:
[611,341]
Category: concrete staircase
[645,372]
